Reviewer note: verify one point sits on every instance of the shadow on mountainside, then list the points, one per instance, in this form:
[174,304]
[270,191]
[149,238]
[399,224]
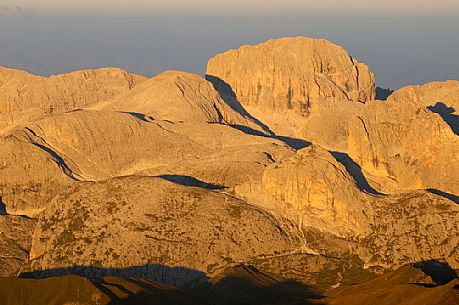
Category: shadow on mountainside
[245,285]
[228,95]
[294,143]
[228,291]
[2,208]
[54,155]
[145,292]
[239,285]
[449,196]
[177,276]
[440,272]
[382,94]
[70,287]
[191,181]
[140,116]
[242,285]
[447,115]
[355,171]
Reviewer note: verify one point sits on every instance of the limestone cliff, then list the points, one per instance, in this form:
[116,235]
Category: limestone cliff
[168,179]
[25,97]
[42,159]
[296,74]
[31,173]
[441,98]
[299,87]
[316,193]
[405,146]
[178,97]
[429,94]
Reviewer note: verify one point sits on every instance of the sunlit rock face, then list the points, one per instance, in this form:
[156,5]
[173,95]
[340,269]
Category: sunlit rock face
[403,146]
[299,87]
[289,171]
[26,97]
[49,155]
[429,94]
[178,97]
[144,223]
[313,191]
[292,74]
[441,98]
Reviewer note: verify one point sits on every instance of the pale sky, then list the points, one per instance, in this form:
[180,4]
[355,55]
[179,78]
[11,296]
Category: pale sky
[402,41]
[348,6]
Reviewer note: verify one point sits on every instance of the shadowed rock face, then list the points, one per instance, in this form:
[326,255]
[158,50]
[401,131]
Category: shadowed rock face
[296,74]
[3,211]
[447,114]
[383,94]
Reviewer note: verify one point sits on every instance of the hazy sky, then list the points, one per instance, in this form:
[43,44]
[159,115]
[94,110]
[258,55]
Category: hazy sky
[400,6]
[403,42]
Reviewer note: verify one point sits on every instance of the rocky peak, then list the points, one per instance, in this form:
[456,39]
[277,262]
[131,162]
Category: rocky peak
[296,74]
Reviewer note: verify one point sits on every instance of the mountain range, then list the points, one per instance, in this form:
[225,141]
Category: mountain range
[279,178]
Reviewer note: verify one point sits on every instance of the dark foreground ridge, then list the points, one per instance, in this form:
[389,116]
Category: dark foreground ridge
[238,285]
[429,282]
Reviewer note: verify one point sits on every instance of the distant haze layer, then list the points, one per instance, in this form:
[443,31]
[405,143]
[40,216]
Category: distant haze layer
[399,48]
[363,6]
